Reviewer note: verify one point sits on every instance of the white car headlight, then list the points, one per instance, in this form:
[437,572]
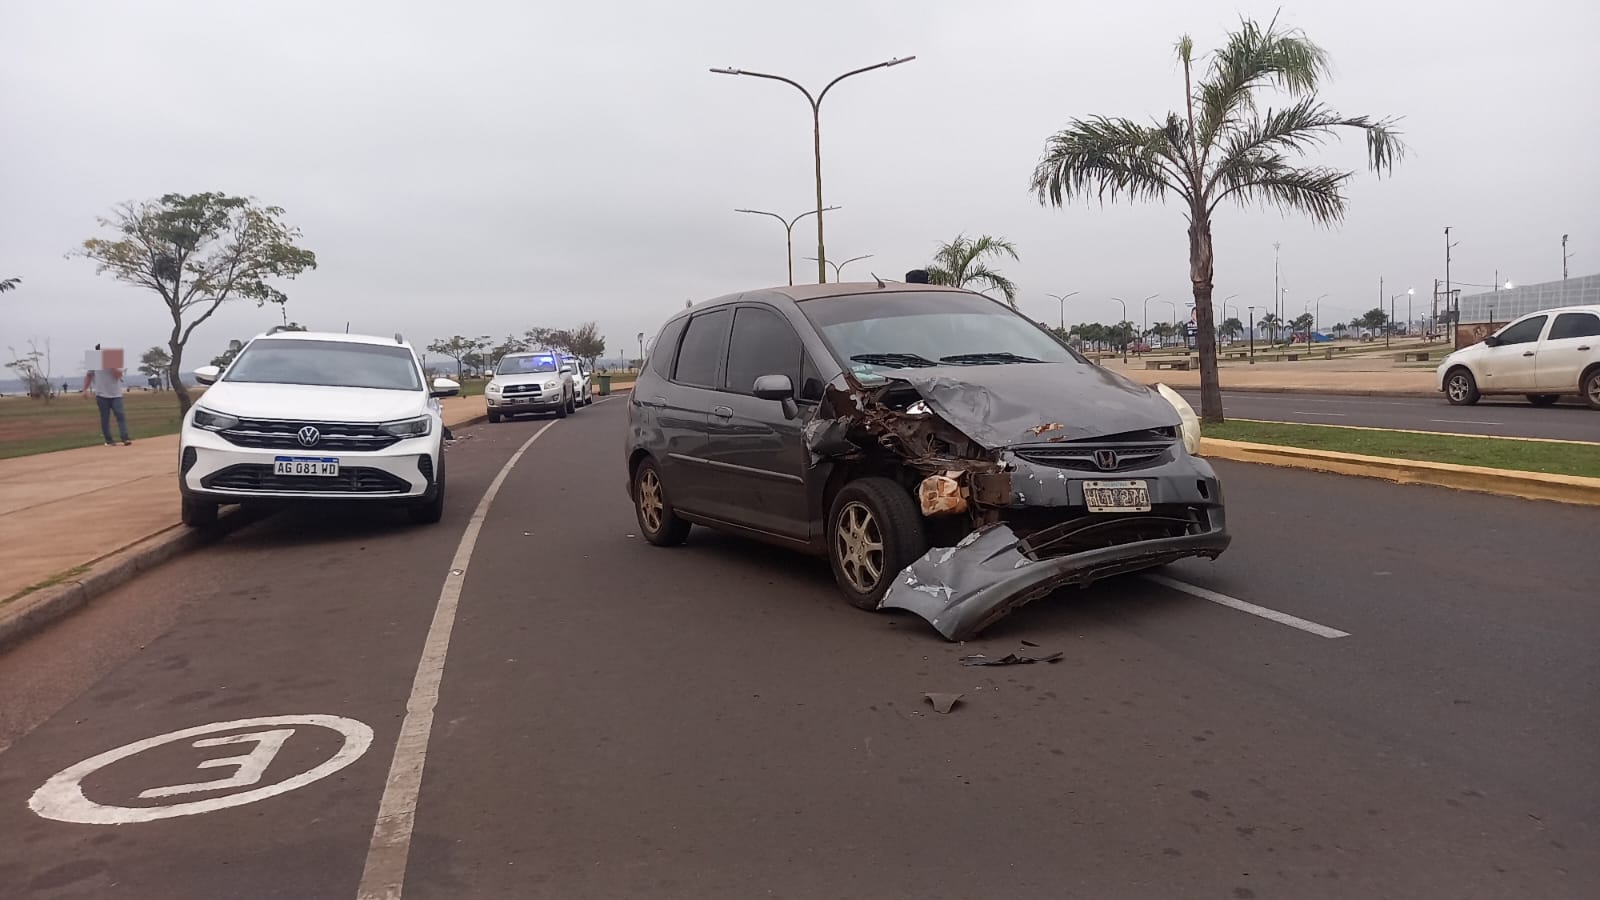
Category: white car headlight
[550,384]
[210,421]
[492,388]
[1188,422]
[408,428]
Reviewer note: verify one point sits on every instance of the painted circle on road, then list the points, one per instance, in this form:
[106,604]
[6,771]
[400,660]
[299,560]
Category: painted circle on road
[62,798]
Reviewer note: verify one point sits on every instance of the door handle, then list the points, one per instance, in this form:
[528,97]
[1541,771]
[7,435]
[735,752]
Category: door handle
[1585,347]
[722,412]
[1528,353]
[656,402]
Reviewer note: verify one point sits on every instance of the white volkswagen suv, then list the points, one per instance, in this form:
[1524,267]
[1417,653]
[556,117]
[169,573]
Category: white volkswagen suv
[308,416]
[1543,356]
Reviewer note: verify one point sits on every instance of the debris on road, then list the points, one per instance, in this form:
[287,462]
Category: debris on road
[943,703]
[1010,659]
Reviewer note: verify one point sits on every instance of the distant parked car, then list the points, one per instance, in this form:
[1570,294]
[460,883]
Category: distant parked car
[1543,356]
[531,383]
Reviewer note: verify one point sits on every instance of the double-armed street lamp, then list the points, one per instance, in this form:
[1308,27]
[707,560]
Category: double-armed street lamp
[788,231]
[816,135]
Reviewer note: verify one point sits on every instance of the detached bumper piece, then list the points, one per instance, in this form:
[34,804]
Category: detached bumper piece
[964,589]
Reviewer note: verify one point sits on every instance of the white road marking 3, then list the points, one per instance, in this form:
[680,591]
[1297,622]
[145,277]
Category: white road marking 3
[1282,618]
[62,797]
[1306,412]
[1465,422]
[383,877]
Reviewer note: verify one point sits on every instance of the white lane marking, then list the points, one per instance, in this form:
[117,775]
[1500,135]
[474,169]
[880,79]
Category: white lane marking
[62,798]
[1282,618]
[1466,422]
[1306,412]
[384,875]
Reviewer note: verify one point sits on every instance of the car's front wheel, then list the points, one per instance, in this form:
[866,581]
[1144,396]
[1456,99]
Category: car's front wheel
[198,513]
[1460,388]
[661,526]
[1543,399]
[494,418]
[874,531]
[431,511]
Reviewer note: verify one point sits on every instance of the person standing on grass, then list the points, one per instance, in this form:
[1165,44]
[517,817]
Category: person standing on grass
[107,385]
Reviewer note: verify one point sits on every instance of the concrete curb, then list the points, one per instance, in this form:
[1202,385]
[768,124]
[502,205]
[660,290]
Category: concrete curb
[1503,482]
[1343,392]
[32,613]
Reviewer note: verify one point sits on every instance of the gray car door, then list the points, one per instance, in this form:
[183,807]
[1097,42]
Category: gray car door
[684,404]
[756,452]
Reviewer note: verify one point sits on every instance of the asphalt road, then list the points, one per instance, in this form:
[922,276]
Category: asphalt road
[711,721]
[1502,416]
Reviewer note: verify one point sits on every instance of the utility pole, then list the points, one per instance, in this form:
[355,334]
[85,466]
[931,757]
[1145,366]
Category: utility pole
[1564,257]
[1380,312]
[1252,334]
[1275,278]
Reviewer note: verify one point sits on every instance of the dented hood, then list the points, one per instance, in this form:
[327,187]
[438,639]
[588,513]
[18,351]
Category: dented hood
[998,405]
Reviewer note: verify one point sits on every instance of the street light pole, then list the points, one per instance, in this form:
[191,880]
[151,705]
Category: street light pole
[788,232]
[1119,325]
[816,136]
[1147,312]
[1564,257]
[838,268]
[1252,329]
[1062,299]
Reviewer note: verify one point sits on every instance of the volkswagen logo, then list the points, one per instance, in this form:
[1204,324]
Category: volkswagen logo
[309,436]
[1106,459]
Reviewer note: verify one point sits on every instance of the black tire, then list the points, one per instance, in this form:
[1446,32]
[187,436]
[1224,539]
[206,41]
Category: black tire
[561,411]
[199,513]
[1543,399]
[1589,387]
[1460,388]
[429,512]
[494,418]
[651,506]
[893,518]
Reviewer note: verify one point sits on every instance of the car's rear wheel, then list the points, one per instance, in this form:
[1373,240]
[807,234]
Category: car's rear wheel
[1543,399]
[1460,388]
[874,531]
[430,511]
[661,526]
[198,513]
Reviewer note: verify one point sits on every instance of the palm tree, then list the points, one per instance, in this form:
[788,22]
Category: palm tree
[960,263]
[9,284]
[1221,146]
[1271,323]
[1231,328]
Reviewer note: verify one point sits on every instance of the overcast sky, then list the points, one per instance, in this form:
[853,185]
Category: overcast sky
[483,167]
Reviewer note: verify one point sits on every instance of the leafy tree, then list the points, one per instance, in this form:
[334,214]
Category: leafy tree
[961,263]
[1302,323]
[507,347]
[1220,146]
[586,343]
[9,284]
[457,348]
[225,358]
[1231,327]
[1374,319]
[156,363]
[197,252]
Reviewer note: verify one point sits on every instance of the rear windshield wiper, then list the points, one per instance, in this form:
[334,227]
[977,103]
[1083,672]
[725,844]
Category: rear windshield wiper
[980,359]
[898,360]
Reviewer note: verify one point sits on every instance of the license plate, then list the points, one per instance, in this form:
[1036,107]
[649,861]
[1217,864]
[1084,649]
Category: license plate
[323,466]
[1117,496]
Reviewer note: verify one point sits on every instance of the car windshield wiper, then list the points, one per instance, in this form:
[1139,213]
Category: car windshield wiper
[898,360]
[987,359]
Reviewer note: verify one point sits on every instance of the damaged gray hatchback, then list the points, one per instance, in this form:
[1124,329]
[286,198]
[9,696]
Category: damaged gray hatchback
[949,456]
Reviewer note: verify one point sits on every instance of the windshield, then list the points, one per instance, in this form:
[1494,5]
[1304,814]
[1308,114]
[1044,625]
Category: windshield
[913,329]
[329,363]
[526,365]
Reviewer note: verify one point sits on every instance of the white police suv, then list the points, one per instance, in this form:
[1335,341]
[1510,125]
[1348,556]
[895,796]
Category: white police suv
[305,416]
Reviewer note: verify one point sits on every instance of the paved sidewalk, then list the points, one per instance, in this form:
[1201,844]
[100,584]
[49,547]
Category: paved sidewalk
[62,510]
[1356,375]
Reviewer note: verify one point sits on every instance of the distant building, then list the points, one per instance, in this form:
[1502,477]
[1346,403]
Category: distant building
[1509,303]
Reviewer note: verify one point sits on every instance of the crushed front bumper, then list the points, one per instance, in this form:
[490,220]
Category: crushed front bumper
[962,590]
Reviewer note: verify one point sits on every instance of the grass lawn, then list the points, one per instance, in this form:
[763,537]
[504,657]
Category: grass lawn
[1494,453]
[35,426]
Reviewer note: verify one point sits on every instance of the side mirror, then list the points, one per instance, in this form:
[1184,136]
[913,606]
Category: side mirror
[1490,341]
[207,374]
[779,388]
[443,387]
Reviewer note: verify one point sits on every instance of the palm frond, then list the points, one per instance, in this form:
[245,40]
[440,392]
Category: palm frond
[991,245]
[1254,58]
[1267,179]
[9,284]
[994,281]
[1108,158]
[1298,128]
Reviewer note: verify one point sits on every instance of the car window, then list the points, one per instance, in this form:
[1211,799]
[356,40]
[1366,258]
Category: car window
[665,348]
[1523,332]
[1571,325]
[700,354]
[326,363]
[763,344]
[523,365]
[912,329]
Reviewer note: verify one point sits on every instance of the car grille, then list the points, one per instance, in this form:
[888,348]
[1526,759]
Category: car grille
[1099,531]
[520,389]
[274,434]
[1088,456]
[250,477]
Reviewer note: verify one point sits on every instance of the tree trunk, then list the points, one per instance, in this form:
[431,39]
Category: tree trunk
[175,373]
[1200,275]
